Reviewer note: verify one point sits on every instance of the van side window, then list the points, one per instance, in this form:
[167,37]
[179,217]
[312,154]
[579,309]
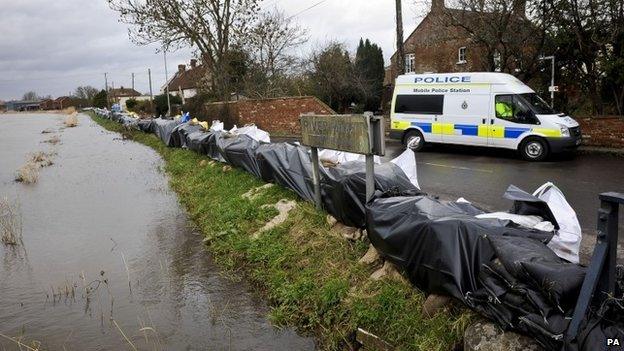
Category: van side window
[419,104]
[513,109]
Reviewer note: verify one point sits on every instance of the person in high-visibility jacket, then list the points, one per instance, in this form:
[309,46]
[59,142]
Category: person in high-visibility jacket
[503,109]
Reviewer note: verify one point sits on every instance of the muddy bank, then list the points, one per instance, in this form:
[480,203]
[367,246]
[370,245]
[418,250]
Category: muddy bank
[103,216]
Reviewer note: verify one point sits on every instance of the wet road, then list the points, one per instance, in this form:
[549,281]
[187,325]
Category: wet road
[102,216]
[482,175]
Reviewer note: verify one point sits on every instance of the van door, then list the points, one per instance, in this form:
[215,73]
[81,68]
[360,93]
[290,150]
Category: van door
[419,111]
[464,118]
[511,118]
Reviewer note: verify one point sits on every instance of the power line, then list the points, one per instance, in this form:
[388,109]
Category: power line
[306,9]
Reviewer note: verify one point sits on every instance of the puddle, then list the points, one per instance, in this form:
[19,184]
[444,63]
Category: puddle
[103,212]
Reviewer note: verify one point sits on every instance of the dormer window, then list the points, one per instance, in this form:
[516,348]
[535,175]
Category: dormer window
[461,55]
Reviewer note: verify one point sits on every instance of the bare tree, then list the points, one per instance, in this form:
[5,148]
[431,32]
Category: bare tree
[271,40]
[511,41]
[85,92]
[269,44]
[30,96]
[209,26]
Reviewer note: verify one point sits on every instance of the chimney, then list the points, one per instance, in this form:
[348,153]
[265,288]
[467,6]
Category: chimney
[519,8]
[437,5]
[181,68]
[193,63]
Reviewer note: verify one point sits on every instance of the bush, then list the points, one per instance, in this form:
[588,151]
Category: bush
[131,104]
[160,103]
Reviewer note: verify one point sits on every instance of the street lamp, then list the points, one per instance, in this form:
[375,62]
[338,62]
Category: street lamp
[552,77]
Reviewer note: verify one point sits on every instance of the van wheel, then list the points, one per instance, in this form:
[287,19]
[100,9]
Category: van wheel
[414,140]
[534,149]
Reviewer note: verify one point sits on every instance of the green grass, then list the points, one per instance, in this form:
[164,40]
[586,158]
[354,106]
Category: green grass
[310,277]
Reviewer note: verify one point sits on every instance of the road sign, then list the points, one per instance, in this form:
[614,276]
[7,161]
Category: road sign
[360,134]
[553,88]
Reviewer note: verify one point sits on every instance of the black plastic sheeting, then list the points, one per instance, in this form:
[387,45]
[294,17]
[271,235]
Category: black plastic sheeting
[287,165]
[163,128]
[501,270]
[344,189]
[180,133]
[239,151]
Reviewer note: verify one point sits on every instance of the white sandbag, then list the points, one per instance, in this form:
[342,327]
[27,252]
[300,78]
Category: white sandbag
[531,222]
[567,241]
[337,157]
[217,126]
[253,131]
[407,162]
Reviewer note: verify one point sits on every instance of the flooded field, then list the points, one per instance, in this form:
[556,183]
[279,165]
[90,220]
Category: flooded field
[108,259]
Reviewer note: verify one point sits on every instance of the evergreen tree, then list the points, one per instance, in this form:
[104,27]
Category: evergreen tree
[99,99]
[369,66]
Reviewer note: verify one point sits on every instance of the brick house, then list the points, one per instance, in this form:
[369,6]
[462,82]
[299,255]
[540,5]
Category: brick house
[62,102]
[439,45]
[185,82]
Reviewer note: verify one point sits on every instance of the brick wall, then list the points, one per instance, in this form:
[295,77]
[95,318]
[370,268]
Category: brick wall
[603,131]
[277,115]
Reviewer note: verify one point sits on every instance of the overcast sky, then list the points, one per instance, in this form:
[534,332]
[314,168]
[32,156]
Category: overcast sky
[51,47]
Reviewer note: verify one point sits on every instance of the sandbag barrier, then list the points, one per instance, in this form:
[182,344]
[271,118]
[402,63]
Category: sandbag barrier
[509,273]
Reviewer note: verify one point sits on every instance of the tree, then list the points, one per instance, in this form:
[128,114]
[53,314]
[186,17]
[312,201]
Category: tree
[131,104]
[30,96]
[85,93]
[588,38]
[332,77]
[269,44]
[100,99]
[209,26]
[512,43]
[369,69]
[160,103]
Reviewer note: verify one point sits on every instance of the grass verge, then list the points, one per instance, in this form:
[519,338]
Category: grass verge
[309,275]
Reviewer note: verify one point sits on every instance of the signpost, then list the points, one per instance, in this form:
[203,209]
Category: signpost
[360,134]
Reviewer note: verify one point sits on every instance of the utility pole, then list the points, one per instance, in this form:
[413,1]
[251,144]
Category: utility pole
[399,31]
[167,83]
[106,89]
[149,75]
[132,81]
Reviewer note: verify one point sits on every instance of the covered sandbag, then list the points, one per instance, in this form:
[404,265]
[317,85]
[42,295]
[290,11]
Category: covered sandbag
[441,245]
[163,129]
[179,134]
[198,141]
[288,165]
[344,189]
[240,151]
[146,125]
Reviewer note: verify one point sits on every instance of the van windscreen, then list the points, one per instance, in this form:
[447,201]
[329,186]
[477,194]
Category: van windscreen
[419,104]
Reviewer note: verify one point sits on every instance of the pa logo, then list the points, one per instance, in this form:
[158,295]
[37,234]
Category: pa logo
[613,342]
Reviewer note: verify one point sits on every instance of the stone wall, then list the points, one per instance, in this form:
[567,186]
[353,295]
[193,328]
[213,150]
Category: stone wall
[603,131]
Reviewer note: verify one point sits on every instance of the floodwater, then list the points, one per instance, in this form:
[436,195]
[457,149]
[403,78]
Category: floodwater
[102,218]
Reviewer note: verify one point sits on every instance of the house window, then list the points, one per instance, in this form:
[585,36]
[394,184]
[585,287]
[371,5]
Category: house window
[461,55]
[410,60]
[498,66]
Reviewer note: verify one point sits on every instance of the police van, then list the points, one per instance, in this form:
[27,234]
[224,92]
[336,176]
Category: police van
[481,109]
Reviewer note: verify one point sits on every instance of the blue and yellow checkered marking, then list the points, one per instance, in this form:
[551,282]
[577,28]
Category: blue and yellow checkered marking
[483,130]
